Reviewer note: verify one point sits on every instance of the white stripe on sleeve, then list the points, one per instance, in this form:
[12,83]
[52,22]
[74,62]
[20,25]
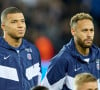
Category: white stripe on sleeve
[33,71]
[8,73]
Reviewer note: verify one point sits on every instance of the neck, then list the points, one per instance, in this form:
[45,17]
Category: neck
[13,42]
[82,51]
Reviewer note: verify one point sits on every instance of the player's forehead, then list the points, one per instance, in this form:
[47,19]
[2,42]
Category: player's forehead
[15,16]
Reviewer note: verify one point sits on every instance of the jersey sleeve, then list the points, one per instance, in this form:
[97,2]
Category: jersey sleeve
[39,61]
[56,74]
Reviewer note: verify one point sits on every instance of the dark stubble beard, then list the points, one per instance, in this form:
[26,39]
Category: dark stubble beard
[83,45]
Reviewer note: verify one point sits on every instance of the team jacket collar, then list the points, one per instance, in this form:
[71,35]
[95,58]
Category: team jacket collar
[71,48]
[4,44]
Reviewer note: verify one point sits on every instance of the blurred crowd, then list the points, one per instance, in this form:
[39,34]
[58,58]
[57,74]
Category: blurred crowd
[48,21]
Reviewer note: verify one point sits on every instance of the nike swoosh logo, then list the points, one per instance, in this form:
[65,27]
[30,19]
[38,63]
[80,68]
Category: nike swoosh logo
[6,57]
[76,69]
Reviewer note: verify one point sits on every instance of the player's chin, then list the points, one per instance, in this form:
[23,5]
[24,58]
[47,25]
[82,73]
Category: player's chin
[88,45]
[21,36]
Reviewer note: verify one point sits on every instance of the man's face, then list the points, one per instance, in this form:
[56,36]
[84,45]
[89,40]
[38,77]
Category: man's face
[14,26]
[88,86]
[84,33]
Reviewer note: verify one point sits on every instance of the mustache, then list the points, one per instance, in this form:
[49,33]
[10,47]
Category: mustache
[88,39]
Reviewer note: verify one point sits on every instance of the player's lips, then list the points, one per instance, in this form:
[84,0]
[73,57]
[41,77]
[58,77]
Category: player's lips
[21,30]
[88,40]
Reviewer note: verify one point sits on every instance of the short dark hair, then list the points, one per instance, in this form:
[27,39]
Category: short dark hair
[40,88]
[9,10]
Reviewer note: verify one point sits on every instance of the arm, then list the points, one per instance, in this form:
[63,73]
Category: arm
[55,77]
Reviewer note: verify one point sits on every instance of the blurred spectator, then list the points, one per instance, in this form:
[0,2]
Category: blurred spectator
[95,9]
[45,47]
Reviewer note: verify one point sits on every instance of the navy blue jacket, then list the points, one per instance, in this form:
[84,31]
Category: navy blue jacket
[20,69]
[68,63]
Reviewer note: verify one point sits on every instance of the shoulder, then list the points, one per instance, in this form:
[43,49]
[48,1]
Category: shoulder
[62,57]
[95,48]
[33,49]
[28,44]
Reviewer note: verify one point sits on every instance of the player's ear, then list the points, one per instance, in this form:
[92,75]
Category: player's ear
[3,26]
[72,31]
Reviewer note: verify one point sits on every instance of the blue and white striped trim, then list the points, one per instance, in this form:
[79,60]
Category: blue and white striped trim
[8,73]
[33,71]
